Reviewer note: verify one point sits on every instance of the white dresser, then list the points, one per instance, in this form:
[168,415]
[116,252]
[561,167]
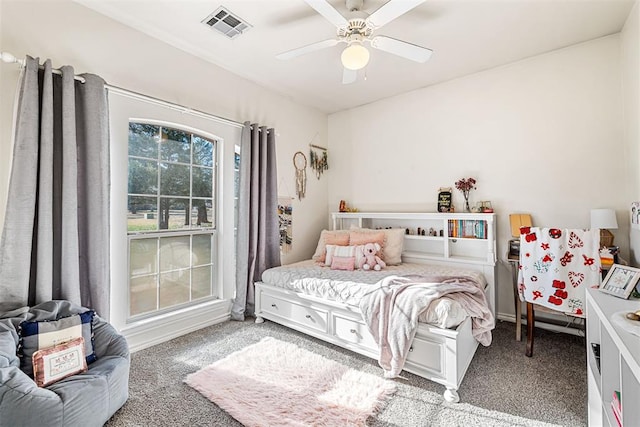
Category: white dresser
[617,372]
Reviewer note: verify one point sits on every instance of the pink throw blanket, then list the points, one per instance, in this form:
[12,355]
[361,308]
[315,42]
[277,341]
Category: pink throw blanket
[391,312]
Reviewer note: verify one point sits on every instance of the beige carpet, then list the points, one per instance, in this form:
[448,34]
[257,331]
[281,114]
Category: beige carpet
[275,383]
[502,387]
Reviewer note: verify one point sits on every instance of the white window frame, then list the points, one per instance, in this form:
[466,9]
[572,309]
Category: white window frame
[123,108]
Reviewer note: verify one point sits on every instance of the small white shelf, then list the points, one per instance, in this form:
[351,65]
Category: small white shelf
[416,237]
[619,361]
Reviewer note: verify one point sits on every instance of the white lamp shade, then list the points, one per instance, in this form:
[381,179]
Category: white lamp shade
[355,56]
[603,219]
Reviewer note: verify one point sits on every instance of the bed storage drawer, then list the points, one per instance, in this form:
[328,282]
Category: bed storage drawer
[353,331]
[428,353]
[307,317]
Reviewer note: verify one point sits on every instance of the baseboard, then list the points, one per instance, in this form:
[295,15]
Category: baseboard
[542,324]
[155,331]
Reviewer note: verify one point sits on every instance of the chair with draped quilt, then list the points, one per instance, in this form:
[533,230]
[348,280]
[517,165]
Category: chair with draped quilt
[556,266]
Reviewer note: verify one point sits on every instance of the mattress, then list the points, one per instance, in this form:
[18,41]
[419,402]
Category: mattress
[348,287]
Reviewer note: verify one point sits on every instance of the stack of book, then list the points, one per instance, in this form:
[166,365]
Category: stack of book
[616,407]
[468,229]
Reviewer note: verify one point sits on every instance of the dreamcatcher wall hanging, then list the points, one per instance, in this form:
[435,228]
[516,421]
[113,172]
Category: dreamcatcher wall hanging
[300,163]
[318,158]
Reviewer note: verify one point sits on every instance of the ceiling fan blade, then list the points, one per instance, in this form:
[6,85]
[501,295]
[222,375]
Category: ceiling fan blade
[325,9]
[398,47]
[307,49]
[349,76]
[390,11]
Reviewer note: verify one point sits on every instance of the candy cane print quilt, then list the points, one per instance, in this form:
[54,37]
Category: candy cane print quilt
[557,265]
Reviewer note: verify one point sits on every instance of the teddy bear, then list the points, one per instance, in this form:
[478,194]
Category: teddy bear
[371,260]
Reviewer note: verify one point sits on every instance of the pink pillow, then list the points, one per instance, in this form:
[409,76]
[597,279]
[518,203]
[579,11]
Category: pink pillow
[393,243]
[343,263]
[338,237]
[358,237]
[340,251]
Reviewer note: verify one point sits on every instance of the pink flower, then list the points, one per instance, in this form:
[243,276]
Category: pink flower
[465,185]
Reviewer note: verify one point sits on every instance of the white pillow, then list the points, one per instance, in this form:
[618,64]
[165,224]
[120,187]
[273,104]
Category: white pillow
[393,243]
[341,251]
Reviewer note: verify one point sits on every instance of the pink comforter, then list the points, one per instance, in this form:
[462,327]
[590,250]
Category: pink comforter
[391,311]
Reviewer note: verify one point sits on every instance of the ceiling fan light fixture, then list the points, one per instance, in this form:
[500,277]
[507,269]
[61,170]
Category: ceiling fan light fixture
[355,56]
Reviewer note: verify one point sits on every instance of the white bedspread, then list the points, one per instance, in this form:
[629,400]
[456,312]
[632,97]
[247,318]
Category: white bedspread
[392,309]
[349,287]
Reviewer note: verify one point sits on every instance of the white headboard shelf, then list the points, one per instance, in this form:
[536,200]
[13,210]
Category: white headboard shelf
[466,238]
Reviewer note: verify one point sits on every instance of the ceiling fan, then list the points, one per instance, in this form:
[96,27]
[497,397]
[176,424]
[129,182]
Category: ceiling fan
[356,32]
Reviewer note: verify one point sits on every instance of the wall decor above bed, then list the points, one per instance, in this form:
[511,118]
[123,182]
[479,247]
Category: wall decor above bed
[300,163]
[329,303]
[318,157]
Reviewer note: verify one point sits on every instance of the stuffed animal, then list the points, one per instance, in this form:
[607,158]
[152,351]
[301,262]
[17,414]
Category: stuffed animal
[371,260]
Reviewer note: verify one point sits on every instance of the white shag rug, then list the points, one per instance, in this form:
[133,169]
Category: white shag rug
[275,383]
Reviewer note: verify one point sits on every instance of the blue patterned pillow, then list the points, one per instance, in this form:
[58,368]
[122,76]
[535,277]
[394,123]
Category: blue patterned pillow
[35,336]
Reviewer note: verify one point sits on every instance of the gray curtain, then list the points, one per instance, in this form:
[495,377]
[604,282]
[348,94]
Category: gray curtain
[55,240]
[258,240]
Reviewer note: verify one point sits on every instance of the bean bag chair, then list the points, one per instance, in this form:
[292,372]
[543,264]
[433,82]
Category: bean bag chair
[89,398]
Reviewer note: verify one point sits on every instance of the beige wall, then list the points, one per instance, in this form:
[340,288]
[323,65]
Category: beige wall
[543,136]
[630,42]
[69,33]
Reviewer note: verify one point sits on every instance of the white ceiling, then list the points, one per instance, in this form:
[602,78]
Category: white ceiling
[466,36]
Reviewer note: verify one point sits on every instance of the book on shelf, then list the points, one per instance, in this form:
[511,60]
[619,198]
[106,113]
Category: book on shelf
[617,400]
[468,228]
[616,407]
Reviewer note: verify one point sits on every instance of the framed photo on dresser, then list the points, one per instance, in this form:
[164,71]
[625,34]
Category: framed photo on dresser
[620,281]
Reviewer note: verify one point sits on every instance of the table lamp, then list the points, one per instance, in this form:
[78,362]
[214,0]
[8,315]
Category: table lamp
[604,219]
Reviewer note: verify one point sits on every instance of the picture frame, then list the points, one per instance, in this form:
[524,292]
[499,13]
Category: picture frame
[444,199]
[620,281]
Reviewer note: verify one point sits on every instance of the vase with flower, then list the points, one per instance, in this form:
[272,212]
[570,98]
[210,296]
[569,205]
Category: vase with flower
[465,185]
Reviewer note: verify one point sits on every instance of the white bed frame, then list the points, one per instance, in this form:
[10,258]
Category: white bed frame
[440,355]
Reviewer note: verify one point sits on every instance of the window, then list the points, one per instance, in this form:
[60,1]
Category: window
[171,219]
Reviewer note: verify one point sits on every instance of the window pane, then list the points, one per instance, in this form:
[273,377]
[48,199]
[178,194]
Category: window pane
[174,180]
[143,177]
[176,146]
[201,282]
[143,256]
[202,249]
[174,288]
[172,187]
[202,151]
[175,253]
[143,214]
[143,140]
[142,294]
[173,213]
[202,213]
[202,182]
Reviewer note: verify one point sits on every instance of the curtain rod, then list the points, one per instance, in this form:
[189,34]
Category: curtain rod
[11,59]
[139,96]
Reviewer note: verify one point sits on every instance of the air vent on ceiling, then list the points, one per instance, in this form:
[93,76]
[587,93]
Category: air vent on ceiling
[225,22]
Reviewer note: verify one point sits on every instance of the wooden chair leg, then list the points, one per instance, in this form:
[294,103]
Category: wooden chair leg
[530,324]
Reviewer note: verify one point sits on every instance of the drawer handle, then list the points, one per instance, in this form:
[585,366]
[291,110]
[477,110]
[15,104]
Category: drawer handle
[410,348]
[273,305]
[353,331]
